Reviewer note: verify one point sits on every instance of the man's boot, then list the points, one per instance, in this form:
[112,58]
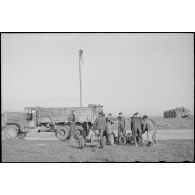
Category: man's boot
[149,143]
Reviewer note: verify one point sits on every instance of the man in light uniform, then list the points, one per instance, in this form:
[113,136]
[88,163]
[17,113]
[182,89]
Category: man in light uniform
[148,125]
[109,124]
[121,125]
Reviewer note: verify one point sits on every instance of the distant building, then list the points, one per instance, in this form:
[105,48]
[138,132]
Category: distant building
[180,112]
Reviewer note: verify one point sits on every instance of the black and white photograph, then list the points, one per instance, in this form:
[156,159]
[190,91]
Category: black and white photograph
[97,97]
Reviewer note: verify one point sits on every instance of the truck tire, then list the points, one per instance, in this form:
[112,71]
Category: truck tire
[102,142]
[62,133]
[21,135]
[11,132]
[122,140]
[129,137]
[77,134]
[110,139]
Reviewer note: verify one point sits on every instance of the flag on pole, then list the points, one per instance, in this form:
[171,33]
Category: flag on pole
[80,64]
[81,55]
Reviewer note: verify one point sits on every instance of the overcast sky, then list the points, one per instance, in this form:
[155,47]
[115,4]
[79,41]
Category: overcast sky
[148,73]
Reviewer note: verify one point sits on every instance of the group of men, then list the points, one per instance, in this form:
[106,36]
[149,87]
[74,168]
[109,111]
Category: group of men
[104,125]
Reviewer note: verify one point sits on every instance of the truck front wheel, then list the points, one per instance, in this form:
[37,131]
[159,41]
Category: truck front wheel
[62,133]
[11,132]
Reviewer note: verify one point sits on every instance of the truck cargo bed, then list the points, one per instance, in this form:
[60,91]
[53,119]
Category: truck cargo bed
[82,114]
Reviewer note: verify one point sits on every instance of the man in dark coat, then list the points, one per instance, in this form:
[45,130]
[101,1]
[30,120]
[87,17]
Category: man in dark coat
[121,125]
[72,121]
[100,123]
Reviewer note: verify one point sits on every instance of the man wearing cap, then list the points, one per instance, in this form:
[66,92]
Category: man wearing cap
[121,125]
[72,121]
[109,124]
[136,115]
[149,126]
[100,123]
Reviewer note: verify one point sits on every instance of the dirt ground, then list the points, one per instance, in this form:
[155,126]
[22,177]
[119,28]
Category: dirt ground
[57,151]
[174,146]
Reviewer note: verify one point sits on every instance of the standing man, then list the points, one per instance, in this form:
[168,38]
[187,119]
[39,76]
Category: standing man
[109,124]
[100,123]
[148,125]
[72,121]
[121,125]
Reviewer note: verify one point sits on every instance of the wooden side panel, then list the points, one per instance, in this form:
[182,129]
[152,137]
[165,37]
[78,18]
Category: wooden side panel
[84,114]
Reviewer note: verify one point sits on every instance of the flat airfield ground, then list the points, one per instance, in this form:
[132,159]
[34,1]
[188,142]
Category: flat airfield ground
[174,146]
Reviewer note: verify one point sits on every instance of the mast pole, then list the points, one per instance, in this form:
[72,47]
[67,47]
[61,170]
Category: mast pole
[80,78]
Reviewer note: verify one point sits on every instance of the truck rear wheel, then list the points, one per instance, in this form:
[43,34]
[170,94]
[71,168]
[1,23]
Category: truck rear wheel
[62,133]
[11,132]
[21,135]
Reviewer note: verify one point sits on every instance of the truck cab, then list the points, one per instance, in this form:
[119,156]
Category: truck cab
[30,117]
[17,124]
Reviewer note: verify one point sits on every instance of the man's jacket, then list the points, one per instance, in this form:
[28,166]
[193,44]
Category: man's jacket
[121,121]
[148,125]
[100,122]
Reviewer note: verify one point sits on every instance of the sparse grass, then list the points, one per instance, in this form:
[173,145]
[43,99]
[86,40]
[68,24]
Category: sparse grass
[174,123]
[56,151]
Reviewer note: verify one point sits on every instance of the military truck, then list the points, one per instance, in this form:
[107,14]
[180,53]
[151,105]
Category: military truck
[39,119]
